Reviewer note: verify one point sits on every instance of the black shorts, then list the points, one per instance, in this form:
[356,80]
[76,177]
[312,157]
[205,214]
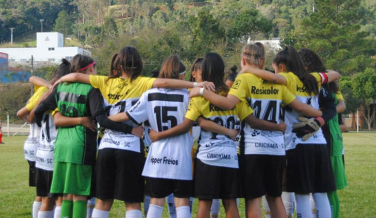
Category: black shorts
[160,188]
[44,180]
[32,174]
[309,170]
[213,182]
[118,175]
[260,175]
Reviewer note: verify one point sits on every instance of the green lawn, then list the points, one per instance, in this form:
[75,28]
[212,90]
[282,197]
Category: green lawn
[357,200]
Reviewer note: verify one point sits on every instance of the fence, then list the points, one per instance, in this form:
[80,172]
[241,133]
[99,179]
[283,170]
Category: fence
[16,129]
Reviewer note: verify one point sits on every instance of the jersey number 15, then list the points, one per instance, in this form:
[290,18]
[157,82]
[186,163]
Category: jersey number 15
[163,117]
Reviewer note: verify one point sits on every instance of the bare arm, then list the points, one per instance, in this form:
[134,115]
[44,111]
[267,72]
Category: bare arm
[332,75]
[23,114]
[226,103]
[37,81]
[341,106]
[120,117]
[266,75]
[62,121]
[74,77]
[256,123]
[182,128]
[181,84]
[305,109]
[211,126]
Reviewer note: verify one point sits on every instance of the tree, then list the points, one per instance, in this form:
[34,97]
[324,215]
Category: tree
[63,23]
[247,23]
[352,102]
[109,29]
[333,31]
[206,32]
[363,86]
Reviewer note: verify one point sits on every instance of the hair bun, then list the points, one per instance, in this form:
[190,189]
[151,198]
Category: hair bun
[65,61]
[233,69]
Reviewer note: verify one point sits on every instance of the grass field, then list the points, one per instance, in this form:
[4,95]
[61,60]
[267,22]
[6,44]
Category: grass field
[357,200]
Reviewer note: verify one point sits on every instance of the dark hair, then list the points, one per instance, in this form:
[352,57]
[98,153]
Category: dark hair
[80,61]
[231,74]
[213,71]
[171,67]
[63,69]
[294,63]
[196,65]
[129,60]
[155,73]
[313,63]
[233,69]
[113,68]
[334,86]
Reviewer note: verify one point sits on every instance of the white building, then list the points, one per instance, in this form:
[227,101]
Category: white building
[50,48]
[272,43]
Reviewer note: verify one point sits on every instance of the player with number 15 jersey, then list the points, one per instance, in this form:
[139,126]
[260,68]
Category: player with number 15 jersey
[168,158]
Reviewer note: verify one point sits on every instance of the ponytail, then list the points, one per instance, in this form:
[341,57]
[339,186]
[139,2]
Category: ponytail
[289,56]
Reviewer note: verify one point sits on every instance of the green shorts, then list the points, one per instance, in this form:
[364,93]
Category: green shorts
[70,178]
[339,172]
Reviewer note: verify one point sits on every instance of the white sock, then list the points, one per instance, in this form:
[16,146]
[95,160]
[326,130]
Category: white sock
[135,213]
[155,211]
[288,199]
[214,210]
[100,213]
[146,204]
[303,206]
[90,207]
[57,212]
[183,212]
[46,214]
[171,205]
[191,201]
[36,207]
[266,207]
[313,207]
[237,202]
[322,205]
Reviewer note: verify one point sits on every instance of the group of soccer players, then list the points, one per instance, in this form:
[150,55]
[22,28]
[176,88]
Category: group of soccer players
[280,146]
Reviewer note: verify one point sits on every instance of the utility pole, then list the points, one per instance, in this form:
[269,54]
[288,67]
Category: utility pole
[41,24]
[11,35]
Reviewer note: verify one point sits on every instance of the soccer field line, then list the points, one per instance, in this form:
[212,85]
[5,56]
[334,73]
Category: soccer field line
[367,135]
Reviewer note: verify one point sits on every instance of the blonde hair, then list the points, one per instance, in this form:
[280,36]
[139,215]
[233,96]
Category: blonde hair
[254,54]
